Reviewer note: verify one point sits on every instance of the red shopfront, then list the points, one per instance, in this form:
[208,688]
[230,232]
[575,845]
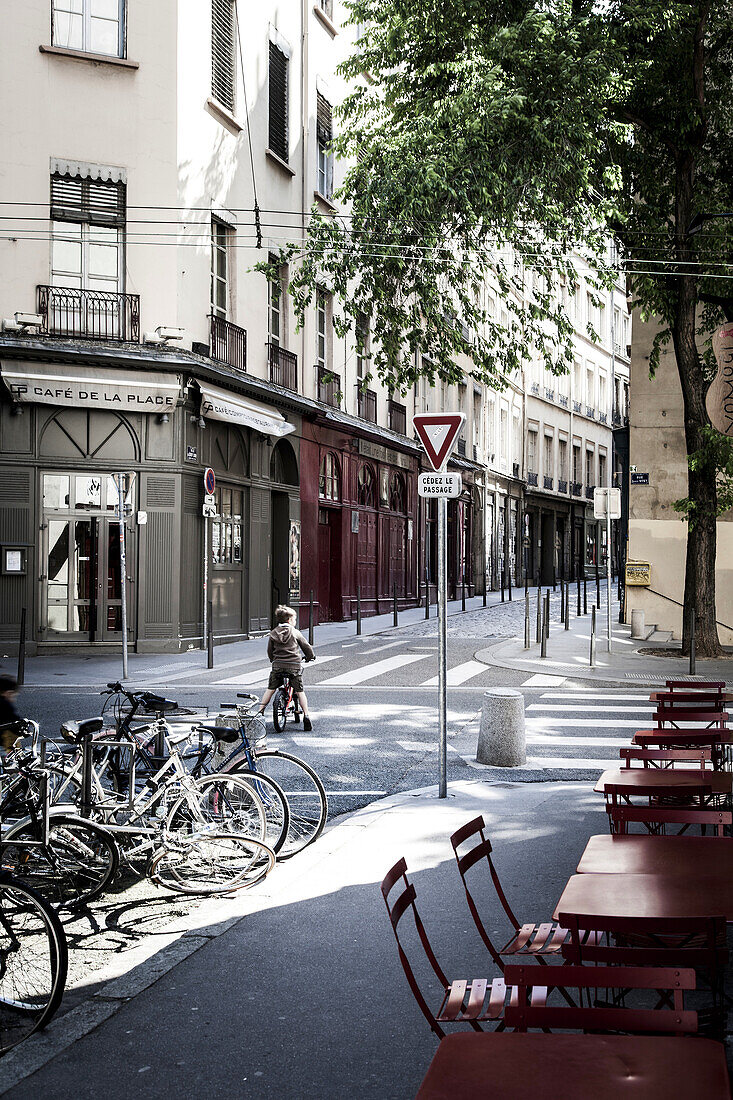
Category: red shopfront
[359,524]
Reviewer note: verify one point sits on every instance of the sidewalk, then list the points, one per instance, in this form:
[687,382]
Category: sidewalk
[568,654]
[295,989]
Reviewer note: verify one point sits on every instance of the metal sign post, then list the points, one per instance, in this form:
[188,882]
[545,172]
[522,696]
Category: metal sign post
[607,505]
[121,479]
[208,510]
[608,576]
[438,433]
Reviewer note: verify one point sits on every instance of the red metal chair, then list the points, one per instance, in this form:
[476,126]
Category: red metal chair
[666,758]
[695,685]
[656,818]
[527,1011]
[462,1001]
[531,939]
[703,716]
[718,739]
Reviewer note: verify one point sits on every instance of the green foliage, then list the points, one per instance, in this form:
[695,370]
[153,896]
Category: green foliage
[495,144]
[714,460]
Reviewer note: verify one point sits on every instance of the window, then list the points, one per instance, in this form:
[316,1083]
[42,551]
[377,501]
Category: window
[326,7]
[226,530]
[548,456]
[562,456]
[322,309]
[275,320]
[329,482]
[577,381]
[602,393]
[589,468]
[532,452]
[94,26]
[278,103]
[476,436]
[503,429]
[601,469]
[397,494]
[590,387]
[577,473]
[223,52]
[366,487]
[363,347]
[490,425]
[219,268]
[324,136]
[87,229]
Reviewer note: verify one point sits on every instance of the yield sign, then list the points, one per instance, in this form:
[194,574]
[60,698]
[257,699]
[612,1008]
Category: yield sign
[438,433]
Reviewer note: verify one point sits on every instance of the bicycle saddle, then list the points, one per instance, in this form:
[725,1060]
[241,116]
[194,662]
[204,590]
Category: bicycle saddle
[75,731]
[221,733]
[151,701]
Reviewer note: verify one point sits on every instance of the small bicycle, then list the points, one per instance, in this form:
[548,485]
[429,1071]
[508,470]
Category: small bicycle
[285,702]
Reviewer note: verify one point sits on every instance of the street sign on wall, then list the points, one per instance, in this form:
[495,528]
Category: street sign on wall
[439,485]
[606,503]
[438,433]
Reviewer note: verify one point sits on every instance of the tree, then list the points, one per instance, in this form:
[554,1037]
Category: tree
[497,143]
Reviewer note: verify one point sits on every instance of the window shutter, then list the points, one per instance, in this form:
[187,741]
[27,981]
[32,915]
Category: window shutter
[278,88]
[324,122]
[223,52]
[99,202]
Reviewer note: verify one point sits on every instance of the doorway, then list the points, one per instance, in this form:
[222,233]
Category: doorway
[81,584]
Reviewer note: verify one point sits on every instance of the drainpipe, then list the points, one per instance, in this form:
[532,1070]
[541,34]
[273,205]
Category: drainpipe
[304,123]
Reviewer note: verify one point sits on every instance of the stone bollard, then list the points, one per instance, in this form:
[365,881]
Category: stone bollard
[637,624]
[501,739]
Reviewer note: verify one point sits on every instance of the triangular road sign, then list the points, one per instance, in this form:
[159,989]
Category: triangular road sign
[438,433]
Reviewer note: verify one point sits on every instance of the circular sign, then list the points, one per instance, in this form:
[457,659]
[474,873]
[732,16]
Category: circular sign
[209,480]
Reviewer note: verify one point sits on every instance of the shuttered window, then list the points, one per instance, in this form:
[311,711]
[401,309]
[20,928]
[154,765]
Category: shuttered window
[93,26]
[278,89]
[77,199]
[324,135]
[223,52]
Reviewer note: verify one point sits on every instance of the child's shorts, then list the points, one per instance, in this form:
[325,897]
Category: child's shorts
[277,677]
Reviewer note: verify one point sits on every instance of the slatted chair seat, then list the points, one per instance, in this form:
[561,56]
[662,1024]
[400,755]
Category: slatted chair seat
[479,1001]
[656,818]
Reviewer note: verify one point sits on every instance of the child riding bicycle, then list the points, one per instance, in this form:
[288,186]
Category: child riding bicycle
[283,651]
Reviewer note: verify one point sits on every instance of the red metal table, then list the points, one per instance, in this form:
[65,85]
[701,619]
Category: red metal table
[657,855]
[469,1066]
[667,781]
[669,895]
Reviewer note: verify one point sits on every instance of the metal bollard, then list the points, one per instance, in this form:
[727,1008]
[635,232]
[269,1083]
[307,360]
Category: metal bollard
[578,595]
[503,577]
[598,587]
[463,595]
[85,808]
[543,646]
[692,642]
[547,613]
[485,587]
[562,600]
[539,615]
[509,583]
[358,609]
[593,637]
[21,649]
[585,596]
[427,598]
[567,605]
[310,620]
[527,641]
[395,620]
[210,639]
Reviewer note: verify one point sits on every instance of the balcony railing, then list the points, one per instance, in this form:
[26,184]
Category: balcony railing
[367,405]
[563,400]
[589,490]
[576,488]
[535,388]
[397,417]
[548,482]
[475,452]
[462,448]
[329,386]
[89,314]
[549,394]
[228,342]
[531,478]
[515,469]
[603,417]
[562,486]
[283,366]
[576,406]
[590,412]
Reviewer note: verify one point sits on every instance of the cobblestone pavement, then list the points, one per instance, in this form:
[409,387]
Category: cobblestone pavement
[503,620]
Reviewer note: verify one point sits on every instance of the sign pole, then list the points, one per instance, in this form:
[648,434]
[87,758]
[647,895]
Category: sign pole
[123,569]
[442,646]
[608,569]
[209,509]
[206,582]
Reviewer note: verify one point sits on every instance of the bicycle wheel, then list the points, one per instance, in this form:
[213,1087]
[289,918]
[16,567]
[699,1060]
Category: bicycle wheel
[212,863]
[218,804]
[306,797]
[33,962]
[280,709]
[78,862]
[274,803]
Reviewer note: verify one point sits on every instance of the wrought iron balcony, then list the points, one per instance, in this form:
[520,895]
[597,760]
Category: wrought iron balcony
[576,488]
[283,366]
[535,388]
[329,386]
[397,417]
[589,489]
[548,482]
[590,412]
[562,486]
[461,447]
[576,406]
[89,314]
[515,469]
[603,418]
[367,404]
[531,478]
[475,452]
[563,400]
[228,342]
[549,394]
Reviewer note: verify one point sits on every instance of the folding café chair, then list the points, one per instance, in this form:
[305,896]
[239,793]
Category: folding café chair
[531,939]
[656,818]
[462,1001]
[667,758]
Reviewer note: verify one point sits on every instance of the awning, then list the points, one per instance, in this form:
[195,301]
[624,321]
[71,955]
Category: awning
[91,387]
[219,404]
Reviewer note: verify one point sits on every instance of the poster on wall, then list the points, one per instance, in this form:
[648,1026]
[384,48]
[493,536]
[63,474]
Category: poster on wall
[294,560]
[384,486]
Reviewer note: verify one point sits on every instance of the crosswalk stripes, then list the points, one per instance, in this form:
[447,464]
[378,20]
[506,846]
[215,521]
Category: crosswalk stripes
[458,675]
[376,668]
[256,676]
[552,722]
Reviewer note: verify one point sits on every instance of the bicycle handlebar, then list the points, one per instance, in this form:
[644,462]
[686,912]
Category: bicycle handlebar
[247,695]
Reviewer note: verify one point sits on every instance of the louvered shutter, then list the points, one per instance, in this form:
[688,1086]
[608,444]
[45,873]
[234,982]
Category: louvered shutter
[324,122]
[76,199]
[278,87]
[223,52]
